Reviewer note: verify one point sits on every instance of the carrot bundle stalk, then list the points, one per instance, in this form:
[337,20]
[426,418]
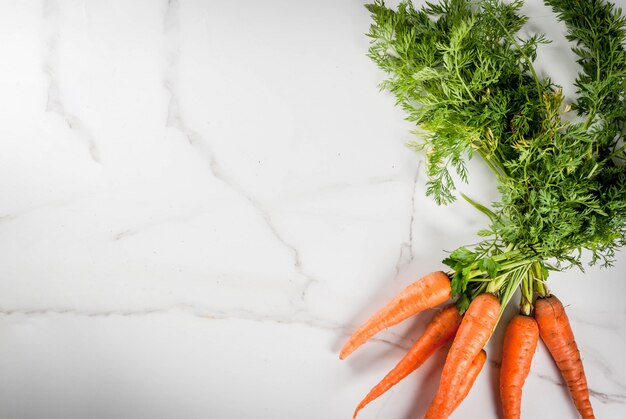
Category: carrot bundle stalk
[474,332]
[556,333]
[438,332]
[520,343]
[429,291]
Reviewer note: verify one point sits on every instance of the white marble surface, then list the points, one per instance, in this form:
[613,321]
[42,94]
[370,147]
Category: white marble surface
[201,199]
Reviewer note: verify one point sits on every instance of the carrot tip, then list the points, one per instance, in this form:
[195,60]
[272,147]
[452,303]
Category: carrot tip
[345,352]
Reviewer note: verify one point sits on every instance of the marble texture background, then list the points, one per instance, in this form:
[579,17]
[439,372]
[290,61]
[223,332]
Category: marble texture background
[202,199]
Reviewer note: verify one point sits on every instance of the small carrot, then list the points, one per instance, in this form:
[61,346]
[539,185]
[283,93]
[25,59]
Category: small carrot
[470,377]
[438,332]
[429,291]
[520,343]
[476,328]
[556,332]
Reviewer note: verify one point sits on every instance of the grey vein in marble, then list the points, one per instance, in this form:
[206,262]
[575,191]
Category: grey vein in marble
[612,326]
[204,313]
[15,214]
[7,217]
[297,317]
[133,231]
[599,364]
[54,102]
[407,247]
[175,120]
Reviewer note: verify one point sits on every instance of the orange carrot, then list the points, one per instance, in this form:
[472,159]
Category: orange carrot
[438,332]
[470,377]
[556,332]
[476,328]
[429,291]
[520,343]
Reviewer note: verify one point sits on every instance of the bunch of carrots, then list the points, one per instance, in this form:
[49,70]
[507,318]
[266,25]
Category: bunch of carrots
[464,73]
[469,334]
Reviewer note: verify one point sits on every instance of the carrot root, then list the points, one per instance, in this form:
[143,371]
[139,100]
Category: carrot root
[431,290]
[557,334]
[438,332]
[470,377]
[520,343]
[478,323]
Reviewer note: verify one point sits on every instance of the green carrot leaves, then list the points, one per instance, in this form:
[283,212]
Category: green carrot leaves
[465,77]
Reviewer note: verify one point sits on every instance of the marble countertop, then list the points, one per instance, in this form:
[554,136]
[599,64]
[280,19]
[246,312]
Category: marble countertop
[202,199]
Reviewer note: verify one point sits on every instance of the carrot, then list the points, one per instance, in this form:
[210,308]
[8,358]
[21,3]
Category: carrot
[438,332]
[556,332]
[476,328]
[520,343]
[429,291]
[470,377]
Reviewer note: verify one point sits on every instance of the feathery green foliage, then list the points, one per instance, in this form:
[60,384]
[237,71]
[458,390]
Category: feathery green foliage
[465,77]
